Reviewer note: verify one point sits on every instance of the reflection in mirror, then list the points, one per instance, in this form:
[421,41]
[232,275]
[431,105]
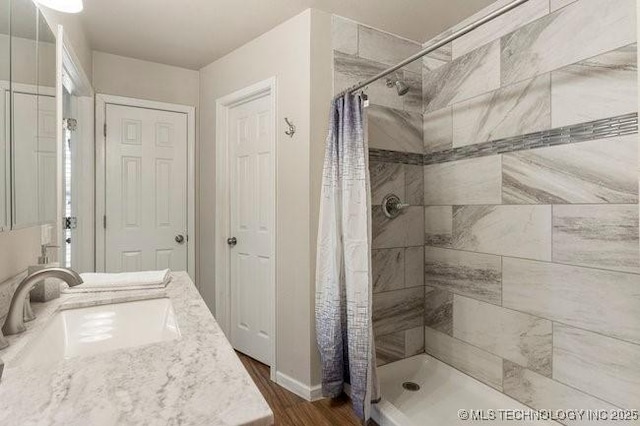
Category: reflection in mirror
[33,117]
[5,70]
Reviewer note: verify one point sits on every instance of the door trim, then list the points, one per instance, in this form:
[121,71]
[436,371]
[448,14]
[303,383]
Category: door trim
[102,101]
[222,213]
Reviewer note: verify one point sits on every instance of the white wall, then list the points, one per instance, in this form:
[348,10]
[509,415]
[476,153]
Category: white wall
[134,78]
[286,53]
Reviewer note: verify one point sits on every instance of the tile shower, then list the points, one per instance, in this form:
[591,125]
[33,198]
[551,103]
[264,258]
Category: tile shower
[518,261]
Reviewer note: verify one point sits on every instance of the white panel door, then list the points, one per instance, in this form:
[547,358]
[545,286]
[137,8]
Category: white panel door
[252,266]
[146,189]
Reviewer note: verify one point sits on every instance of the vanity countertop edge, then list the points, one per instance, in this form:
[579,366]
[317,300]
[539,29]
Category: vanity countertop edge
[195,380]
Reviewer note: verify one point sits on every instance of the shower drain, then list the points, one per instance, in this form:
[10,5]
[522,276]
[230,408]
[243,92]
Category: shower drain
[411,386]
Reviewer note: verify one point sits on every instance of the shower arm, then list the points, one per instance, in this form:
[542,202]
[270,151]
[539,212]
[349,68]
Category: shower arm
[435,46]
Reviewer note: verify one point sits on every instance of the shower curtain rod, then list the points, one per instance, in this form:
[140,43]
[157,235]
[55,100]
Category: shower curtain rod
[436,45]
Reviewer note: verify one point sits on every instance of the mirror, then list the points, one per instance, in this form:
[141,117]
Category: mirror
[33,117]
[5,74]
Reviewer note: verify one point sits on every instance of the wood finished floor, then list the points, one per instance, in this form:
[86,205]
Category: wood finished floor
[291,410]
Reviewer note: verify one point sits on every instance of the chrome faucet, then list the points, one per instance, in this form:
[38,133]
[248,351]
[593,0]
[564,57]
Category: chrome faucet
[14,323]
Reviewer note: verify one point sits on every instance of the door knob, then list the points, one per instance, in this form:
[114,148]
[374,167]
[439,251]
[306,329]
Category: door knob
[232,241]
[180,239]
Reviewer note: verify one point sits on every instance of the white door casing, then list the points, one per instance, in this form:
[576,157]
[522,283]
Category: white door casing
[146,186]
[246,193]
[251,183]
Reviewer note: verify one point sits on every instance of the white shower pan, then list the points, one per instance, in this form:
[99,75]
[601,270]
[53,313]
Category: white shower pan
[443,392]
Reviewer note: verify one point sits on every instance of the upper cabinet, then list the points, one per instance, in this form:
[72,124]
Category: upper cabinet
[30,111]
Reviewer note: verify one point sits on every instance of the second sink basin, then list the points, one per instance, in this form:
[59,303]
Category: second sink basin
[92,330]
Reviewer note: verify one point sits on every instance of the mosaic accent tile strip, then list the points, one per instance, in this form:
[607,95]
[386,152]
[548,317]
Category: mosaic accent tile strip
[626,124]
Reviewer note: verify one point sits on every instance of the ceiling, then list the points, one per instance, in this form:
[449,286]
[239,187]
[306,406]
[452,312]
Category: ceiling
[194,33]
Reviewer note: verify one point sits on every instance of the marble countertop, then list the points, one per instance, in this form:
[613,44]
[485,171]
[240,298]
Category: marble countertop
[196,380]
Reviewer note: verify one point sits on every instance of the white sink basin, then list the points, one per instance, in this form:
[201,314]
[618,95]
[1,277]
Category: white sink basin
[89,331]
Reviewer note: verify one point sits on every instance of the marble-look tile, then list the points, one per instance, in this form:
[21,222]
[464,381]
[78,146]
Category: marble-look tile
[438,225]
[394,129]
[398,310]
[437,58]
[386,178]
[349,70]
[541,392]
[603,236]
[605,302]
[522,231]
[438,130]
[514,110]
[414,341]
[473,361]
[438,309]
[600,87]
[406,230]
[510,21]
[598,172]
[601,366]
[468,274]
[463,78]
[414,267]
[414,185]
[413,98]
[344,33]
[387,269]
[473,181]
[567,36]
[559,4]
[386,48]
[399,345]
[512,335]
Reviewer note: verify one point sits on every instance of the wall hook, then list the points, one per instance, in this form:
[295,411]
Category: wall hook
[292,128]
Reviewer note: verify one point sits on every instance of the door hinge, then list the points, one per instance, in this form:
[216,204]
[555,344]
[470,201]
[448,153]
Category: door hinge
[70,124]
[69,222]
[104,221]
[105,130]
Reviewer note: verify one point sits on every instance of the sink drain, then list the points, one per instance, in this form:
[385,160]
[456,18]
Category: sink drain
[411,386]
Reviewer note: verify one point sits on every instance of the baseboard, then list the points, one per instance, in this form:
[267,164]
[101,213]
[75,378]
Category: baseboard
[312,393]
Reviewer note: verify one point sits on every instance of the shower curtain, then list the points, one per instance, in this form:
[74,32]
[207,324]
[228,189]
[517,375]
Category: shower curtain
[343,278]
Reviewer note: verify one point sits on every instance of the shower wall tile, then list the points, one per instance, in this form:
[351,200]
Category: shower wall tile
[541,392]
[500,26]
[601,366]
[399,345]
[344,34]
[512,335]
[438,130]
[598,172]
[386,178]
[514,110]
[465,273]
[473,361]
[414,185]
[521,231]
[600,87]
[605,302]
[398,310]
[387,49]
[603,236]
[413,98]
[463,78]
[394,129]
[438,225]
[559,4]
[474,181]
[349,70]
[387,269]
[414,267]
[438,310]
[406,230]
[582,30]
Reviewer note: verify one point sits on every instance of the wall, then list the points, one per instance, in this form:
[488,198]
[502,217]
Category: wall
[134,78]
[298,172]
[394,124]
[532,260]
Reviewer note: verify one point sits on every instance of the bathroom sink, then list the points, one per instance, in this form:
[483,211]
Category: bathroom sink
[92,330]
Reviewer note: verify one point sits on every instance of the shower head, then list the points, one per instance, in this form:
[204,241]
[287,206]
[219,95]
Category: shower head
[401,87]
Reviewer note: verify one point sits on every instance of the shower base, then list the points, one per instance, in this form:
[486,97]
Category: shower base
[443,391]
